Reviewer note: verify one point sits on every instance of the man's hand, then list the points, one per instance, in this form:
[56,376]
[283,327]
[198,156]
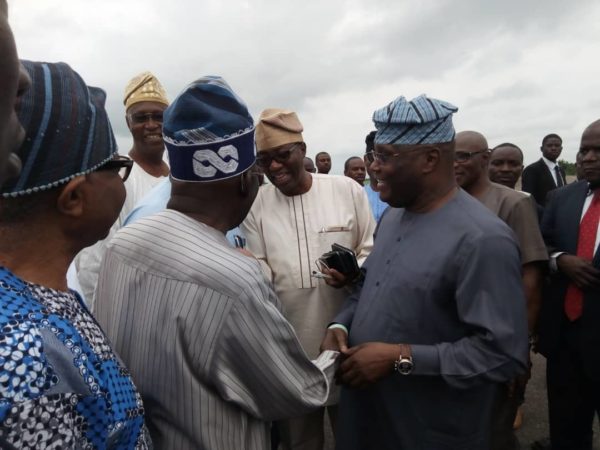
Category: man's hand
[337,280]
[335,339]
[579,271]
[367,363]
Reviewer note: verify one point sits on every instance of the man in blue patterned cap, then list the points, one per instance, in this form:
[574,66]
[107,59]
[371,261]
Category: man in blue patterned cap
[62,384]
[195,320]
[430,332]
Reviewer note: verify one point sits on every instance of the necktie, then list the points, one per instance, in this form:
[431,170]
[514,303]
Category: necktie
[559,178]
[585,249]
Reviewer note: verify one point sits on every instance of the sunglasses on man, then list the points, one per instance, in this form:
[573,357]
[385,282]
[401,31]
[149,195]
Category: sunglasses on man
[264,159]
[121,164]
[141,118]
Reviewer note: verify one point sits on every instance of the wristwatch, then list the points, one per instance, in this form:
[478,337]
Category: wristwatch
[404,364]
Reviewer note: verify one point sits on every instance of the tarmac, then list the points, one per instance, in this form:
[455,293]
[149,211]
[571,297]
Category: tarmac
[535,409]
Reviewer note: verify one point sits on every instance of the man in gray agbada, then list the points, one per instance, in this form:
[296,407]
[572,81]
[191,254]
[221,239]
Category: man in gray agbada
[440,318]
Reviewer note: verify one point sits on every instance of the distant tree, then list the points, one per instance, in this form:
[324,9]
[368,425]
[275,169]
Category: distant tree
[568,166]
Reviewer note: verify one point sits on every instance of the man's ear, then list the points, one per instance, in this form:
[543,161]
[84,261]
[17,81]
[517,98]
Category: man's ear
[72,198]
[432,159]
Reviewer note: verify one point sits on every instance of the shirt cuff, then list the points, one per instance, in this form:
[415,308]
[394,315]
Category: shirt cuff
[552,263]
[338,325]
[426,360]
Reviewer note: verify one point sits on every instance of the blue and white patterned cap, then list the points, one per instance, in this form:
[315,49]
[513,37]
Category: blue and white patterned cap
[208,132]
[422,120]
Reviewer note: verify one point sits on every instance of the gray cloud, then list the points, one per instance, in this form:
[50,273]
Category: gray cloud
[516,69]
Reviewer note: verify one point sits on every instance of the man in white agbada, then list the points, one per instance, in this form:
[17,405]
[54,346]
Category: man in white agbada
[145,101]
[193,318]
[291,224]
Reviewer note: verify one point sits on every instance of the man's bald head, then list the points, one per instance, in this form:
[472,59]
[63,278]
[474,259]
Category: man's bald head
[589,153]
[471,139]
[471,160]
[591,129]
[309,165]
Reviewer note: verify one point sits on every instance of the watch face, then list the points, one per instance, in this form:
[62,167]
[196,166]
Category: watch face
[405,367]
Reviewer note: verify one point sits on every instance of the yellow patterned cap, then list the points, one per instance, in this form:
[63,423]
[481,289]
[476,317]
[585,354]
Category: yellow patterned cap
[144,87]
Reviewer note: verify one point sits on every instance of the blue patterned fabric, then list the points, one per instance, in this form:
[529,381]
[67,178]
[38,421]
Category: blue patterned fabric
[61,385]
[208,132]
[422,120]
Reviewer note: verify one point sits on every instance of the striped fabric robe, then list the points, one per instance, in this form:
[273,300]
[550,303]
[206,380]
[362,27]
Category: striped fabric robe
[201,331]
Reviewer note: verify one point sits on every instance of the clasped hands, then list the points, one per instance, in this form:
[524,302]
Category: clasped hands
[363,364]
[579,271]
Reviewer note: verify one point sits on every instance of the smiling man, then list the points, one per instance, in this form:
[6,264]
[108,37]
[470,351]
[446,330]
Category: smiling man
[293,221]
[145,100]
[377,206]
[430,333]
[14,81]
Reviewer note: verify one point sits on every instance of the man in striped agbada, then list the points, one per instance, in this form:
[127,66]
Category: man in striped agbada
[193,318]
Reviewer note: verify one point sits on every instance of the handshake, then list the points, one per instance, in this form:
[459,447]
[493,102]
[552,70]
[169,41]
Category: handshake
[362,365]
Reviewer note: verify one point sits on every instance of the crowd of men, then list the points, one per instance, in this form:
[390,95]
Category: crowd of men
[183,303]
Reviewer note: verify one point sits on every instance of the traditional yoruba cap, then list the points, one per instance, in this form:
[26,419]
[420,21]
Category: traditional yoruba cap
[144,87]
[422,120]
[277,127]
[67,129]
[208,132]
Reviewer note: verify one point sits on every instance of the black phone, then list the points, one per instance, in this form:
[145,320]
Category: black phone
[341,259]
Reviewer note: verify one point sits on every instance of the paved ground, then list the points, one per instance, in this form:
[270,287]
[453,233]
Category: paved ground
[535,424]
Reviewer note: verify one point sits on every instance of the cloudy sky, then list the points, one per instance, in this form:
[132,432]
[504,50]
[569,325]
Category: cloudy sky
[517,70]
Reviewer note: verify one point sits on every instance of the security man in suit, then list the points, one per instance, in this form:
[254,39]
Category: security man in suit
[545,175]
[569,335]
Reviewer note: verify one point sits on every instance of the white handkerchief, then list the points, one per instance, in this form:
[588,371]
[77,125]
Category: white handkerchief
[328,362]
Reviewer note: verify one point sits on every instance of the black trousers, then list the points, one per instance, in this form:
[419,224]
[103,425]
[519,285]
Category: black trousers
[573,397]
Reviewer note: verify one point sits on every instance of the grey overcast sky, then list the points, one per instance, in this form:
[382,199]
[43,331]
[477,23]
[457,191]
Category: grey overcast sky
[517,70]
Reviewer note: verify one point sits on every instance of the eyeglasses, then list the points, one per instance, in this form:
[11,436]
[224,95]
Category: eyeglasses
[264,160]
[121,164]
[461,157]
[140,118]
[384,158]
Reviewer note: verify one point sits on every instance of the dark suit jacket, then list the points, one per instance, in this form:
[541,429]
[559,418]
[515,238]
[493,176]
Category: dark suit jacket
[560,228]
[537,180]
